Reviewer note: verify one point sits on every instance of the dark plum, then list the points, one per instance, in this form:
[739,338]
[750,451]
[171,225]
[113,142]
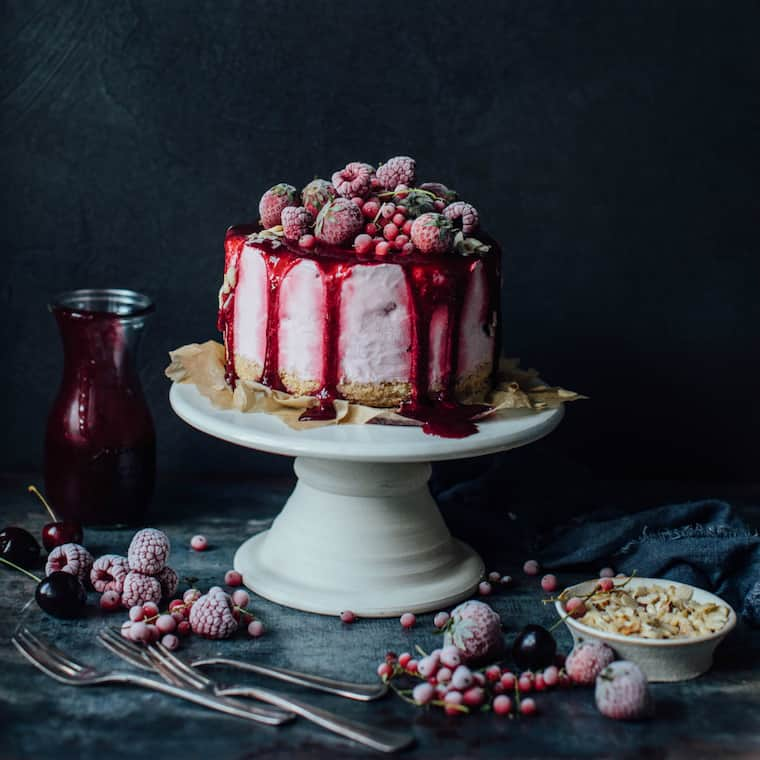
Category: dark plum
[20,547]
[534,648]
[61,594]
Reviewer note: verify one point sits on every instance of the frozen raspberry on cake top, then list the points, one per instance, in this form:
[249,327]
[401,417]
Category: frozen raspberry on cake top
[464,215]
[475,630]
[148,551]
[70,558]
[399,170]
[296,221]
[139,589]
[432,233]
[108,573]
[316,194]
[168,581]
[354,180]
[212,615]
[273,201]
[339,221]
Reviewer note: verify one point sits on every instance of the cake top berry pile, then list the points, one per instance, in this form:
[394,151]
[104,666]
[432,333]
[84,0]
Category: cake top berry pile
[381,212]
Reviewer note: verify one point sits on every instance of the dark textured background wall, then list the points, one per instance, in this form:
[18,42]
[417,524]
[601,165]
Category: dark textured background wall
[613,147]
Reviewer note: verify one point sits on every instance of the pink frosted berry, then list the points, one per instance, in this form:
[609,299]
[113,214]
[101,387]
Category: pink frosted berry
[168,580]
[423,693]
[390,231]
[307,241]
[411,666]
[136,613]
[606,584]
[606,572]
[354,180]
[148,551]
[199,543]
[549,583]
[183,628]
[139,631]
[451,656]
[494,577]
[508,680]
[166,624]
[296,221]
[383,248]
[452,701]
[347,617]
[485,588]
[525,683]
[139,589]
[440,619]
[338,222]
[70,558]
[463,214]
[407,620]
[428,666]
[399,170]
[443,674]
[211,615]
[531,567]
[587,660]
[528,707]
[108,573]
[316,194]
[474,696]
[363,243]
[273,201]
[551,675]
[622,692]
[255,629]
[493,673]
[126,629]
[575,607]
[432,233]
[170,641]
[111,600]
[240,598]
[150,609]
[475,630]
[233,578]
[502,705]
[461,678]
[384,670]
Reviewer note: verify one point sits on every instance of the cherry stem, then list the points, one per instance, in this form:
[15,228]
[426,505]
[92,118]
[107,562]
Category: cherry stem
[20,569]
[35,491]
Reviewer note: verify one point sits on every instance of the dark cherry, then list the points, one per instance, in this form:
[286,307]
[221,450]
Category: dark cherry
[534,648]
[61,594]
[20,547]
[61,532]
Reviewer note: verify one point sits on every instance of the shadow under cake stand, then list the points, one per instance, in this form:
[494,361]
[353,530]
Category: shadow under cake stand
[361,530]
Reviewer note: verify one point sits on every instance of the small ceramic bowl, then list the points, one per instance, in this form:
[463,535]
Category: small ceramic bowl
[659,659]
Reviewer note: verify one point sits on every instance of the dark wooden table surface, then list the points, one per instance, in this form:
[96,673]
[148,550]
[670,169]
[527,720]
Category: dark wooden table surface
[715,715]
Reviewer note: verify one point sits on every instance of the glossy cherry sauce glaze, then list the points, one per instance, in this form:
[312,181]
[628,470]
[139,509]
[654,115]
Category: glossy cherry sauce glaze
[432,281]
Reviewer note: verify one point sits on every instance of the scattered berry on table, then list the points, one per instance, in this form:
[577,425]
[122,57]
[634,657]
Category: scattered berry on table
[296,221]
[407,620]
[110,600]
[108,573]
[549,583]
[440,619]
[475,630]
[148,551]
[139,589]
[199,543]
[531,567]
[606,572]
[255,628]
[423,693]
[273,201]
[485,588]
[494,577]
[70,558]
[211,615]
[338,222]
[170,641]
[233,578]
[506,580]
[316,194]
[622,692]
[240,598]
[587,660]
[502,705]
[528,707]
[347,617]
[399,170]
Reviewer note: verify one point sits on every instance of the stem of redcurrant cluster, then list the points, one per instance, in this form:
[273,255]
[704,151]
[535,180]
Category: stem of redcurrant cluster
[246,611]
[420,650]
[33,489]
[20,569]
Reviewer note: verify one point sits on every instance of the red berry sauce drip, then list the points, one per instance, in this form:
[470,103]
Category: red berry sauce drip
[432,282]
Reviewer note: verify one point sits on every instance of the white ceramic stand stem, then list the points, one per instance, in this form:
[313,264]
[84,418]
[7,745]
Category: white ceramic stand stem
[360,531]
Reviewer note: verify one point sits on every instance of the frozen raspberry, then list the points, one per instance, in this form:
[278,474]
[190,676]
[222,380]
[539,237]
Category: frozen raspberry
[464,215]
[108,573]
[475,630]
[139,589]
[399,170]
[211,616]
[316,194]
[71,558]
[440,190]
[274,201]
[339,221]
[432,233]
[587,660]
[354,180]
[622,692]
[148,551]
[169,582]
[296,221]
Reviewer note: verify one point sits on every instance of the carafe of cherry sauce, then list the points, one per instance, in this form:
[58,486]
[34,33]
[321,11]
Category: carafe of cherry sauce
[100,446]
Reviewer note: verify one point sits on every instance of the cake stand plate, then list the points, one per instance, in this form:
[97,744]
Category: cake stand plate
[360,531]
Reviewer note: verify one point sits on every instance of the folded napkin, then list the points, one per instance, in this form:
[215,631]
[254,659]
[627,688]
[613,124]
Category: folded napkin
[703,543]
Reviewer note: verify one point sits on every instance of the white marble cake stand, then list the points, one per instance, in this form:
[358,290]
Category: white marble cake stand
[360,531]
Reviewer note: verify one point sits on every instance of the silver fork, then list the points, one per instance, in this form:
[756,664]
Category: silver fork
[358,691]
[161,659]
[62,668]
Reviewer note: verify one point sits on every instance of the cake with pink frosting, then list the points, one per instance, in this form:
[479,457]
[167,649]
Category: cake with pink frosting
[368,287]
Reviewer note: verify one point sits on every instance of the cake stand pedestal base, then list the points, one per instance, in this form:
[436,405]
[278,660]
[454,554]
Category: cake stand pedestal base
[360,536]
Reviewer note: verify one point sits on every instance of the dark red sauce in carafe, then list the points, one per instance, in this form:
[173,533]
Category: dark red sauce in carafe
[100,446]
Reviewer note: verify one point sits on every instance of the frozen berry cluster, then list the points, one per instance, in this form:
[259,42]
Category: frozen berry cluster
[378,211]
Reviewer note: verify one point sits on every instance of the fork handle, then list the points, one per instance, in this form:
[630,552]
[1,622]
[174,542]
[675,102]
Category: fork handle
[219,703]
[376,738]
[359,691]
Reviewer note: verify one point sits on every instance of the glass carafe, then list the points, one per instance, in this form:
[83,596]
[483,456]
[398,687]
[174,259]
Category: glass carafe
[100,446]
